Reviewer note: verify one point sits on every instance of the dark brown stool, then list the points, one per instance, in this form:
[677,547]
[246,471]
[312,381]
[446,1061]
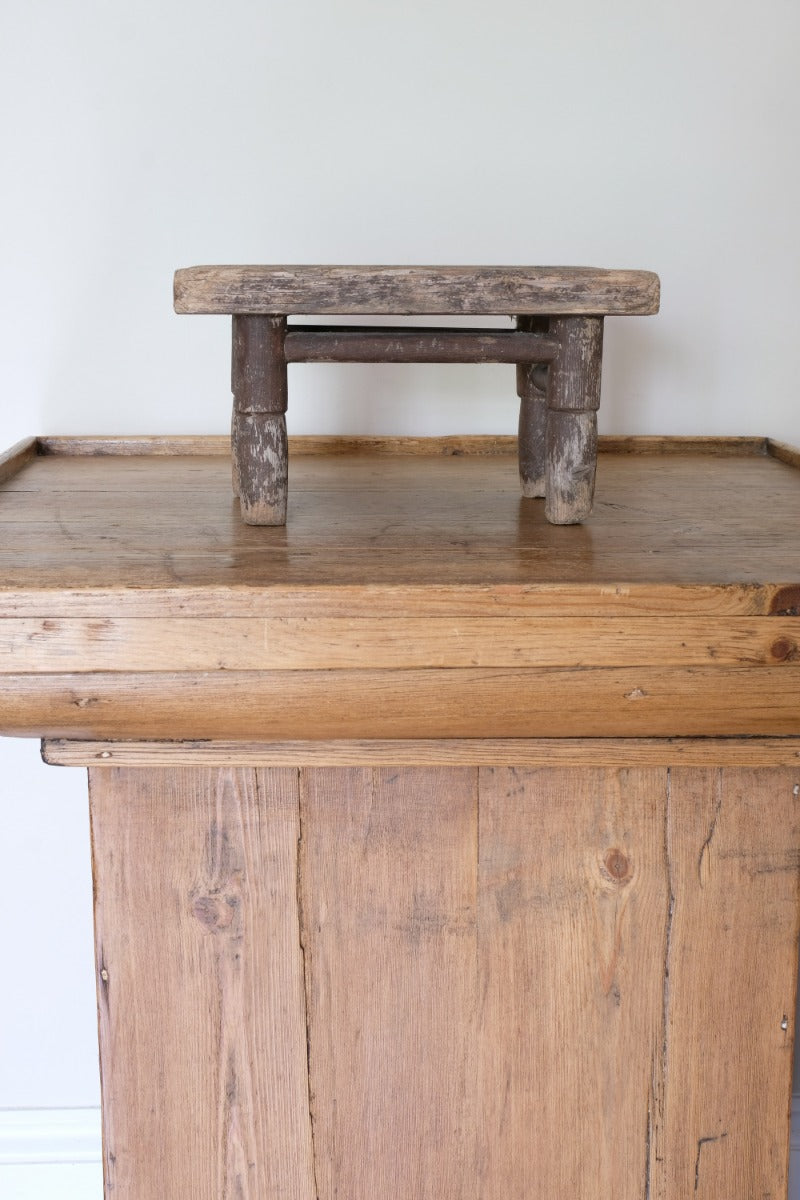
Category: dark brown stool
[557,346]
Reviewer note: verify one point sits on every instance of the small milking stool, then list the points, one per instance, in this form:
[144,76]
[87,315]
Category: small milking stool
[557,346]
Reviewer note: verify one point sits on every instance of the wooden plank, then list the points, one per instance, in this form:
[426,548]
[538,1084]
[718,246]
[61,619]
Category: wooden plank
[200,984]
[322,344]
[388,868]
[479,702]
[722,1077]
[452,752]
[342,643]
[72,602]
[342,290]
[16,457]
[574,895]
[325,445]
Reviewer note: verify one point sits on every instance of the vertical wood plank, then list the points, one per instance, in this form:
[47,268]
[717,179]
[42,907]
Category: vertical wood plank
[200,984]
[388,868]
[722,1125]
[572,918]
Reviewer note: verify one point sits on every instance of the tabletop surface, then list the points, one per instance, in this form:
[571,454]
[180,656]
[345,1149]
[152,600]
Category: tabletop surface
[706,518]
[464,290]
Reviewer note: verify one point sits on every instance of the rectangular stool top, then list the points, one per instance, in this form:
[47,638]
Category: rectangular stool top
[352,290]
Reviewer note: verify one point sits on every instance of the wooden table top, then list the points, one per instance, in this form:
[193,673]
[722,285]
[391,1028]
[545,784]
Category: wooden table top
[468,290]
[402,585]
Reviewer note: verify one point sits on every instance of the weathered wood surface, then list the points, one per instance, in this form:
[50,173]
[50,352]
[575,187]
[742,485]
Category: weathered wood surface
[260,450]
[450,752]
[458,980]
[573,397]
[261,466]
[357,643]
[200,985]
[469,702]
[532,431]
[319,344]
[414,290]
[111,536]
[204,445]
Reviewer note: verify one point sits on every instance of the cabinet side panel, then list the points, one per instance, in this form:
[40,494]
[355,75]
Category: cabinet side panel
[723,1127]
[200,984]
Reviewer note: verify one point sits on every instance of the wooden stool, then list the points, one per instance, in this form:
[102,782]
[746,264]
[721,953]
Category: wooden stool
[557,347]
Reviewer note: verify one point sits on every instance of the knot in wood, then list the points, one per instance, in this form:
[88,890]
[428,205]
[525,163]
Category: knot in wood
[216,913]
[617,865]
[783,649]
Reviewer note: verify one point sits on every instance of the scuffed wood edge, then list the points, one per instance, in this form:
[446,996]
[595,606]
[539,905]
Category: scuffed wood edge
[548,752]
[15,458]
[783,452]
[191,445]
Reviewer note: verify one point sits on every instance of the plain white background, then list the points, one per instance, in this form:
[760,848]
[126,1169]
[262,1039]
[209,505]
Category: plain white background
[142,137]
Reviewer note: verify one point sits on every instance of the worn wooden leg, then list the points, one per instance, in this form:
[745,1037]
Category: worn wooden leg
[532,415]
[258,434]
[573,397]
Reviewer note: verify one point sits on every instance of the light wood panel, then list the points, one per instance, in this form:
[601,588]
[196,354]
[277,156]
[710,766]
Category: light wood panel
[722,1078]
[301,643]
[200,985]
[542,752]
[475,702]
[573,925]
[389,899]
[574,979]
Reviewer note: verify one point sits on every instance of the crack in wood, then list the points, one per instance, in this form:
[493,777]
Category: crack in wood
[704,857]
[704,1141]
[305,968]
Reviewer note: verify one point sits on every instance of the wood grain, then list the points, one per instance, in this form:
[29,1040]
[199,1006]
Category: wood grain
[532,429]
[470,702]
[389,899]
[341,290]
[203,445]
[313,343]
[448,752]
[573,902]
[200,985]
[126,536]
[357,643]
[579,975]
[719,1116]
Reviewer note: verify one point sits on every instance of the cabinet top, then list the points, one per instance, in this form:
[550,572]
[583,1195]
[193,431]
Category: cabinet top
[397,526]
[412,594]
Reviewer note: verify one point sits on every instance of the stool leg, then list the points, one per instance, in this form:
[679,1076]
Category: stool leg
[573,397]
[258,433]
[532,416]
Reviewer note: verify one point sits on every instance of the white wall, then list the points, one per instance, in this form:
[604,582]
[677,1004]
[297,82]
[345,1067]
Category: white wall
[147,136]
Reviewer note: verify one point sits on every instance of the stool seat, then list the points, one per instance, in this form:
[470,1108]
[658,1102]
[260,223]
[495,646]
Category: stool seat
[409,291]
[556,345]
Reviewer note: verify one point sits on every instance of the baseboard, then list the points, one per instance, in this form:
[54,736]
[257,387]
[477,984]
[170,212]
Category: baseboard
[39,1136]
